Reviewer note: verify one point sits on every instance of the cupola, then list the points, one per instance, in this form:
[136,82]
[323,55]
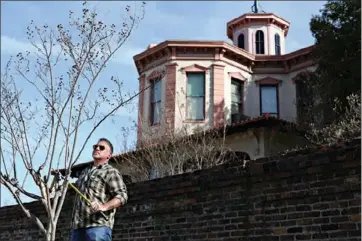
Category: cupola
[259,33]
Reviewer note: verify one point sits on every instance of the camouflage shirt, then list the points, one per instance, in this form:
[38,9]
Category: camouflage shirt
[98,183]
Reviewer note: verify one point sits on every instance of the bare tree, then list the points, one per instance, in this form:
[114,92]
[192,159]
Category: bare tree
[176,153]
[48,102]
[326,123]
[345,127]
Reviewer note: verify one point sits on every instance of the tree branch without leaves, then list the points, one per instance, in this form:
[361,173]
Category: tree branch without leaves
[63,78]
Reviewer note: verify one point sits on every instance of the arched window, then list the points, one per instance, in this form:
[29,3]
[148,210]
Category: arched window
[259,42]
[241,43]
[277,44]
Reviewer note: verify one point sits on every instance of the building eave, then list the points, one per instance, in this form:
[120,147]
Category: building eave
[249,18]
[170,46]
[256,16]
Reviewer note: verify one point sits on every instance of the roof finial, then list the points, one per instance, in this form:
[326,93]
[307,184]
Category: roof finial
[254,8]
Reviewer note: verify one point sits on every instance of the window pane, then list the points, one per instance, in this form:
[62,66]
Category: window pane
[277,44]
[236,91]
[277,50]
[277,39]
[259,36]
[235,108]
[259,42]
[195,108]
[241,41]
[235,98]
[269,99]
[156,91]
[156,115]
[195,84]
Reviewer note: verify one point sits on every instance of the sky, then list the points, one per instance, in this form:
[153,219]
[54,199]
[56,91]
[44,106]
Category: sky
[166,20]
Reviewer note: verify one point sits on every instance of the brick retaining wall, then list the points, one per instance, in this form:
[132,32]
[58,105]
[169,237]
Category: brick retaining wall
[306,195]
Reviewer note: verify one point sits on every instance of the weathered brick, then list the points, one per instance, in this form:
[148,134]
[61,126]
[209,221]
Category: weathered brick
[287,238]
[339,219]
[338,234]
[303,208]
[330,213]
[328,227]
[280,231]
[356,233]
[312,214]
[306,221]
[303,237]
[295,215]
[320,236]
[347,226]
[295,230]
[356,218]
[321,220]
[321,206]
[223,234]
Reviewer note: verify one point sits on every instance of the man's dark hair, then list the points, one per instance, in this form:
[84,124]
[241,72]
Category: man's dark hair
[108,142]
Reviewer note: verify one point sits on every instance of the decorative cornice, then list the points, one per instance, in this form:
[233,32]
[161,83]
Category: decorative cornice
[195,68]
[268,81]
[225,50]
[156,74]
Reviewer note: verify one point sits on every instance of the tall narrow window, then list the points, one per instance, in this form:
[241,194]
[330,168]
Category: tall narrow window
[195,96]
[241,43]
[269,100]
[277,44]
[156,102]
[236,100]
[259,42]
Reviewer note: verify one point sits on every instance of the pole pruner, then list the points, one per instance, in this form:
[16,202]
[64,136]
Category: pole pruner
[79,193]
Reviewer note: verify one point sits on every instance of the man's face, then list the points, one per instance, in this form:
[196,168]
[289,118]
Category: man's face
[101,151]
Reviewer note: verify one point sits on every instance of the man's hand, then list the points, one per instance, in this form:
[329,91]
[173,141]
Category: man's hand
[97,207]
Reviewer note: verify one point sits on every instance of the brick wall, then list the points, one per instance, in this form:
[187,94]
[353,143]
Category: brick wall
[301,196]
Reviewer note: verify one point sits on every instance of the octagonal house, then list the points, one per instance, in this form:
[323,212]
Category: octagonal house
[191,86]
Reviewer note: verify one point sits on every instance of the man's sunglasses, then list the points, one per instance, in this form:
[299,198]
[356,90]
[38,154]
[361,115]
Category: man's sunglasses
[100,147]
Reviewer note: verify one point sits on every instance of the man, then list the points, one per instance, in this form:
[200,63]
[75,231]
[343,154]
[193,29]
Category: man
[103,185]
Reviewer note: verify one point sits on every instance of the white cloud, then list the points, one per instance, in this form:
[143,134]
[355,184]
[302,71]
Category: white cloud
[125,54]
[13,46]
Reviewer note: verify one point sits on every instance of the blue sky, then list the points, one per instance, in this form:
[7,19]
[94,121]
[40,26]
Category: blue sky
[174,20]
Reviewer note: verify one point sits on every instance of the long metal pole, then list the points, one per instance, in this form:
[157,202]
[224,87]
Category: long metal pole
[84,197]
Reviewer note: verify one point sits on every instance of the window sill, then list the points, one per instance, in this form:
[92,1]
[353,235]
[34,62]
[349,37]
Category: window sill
[155,125]
[275,115]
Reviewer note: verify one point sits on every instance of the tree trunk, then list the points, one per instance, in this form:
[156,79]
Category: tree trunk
[51,232]
[49,237]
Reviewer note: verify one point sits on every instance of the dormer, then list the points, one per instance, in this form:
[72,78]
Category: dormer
[259,33]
